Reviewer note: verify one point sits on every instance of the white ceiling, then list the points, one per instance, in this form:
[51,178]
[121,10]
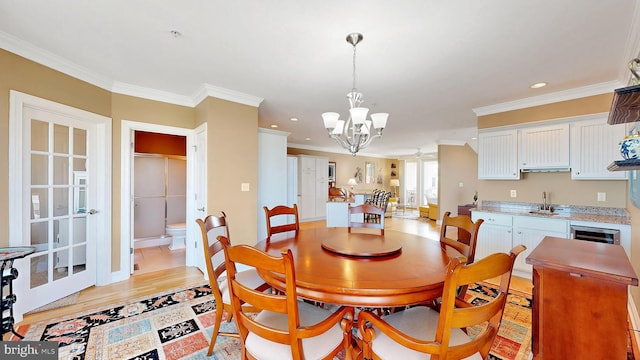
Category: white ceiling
[429,63]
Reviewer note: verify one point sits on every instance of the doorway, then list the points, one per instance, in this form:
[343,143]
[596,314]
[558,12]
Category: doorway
[420,180]
[128,201]
[159,193]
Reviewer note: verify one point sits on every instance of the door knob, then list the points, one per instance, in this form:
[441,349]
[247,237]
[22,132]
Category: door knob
[201,209]
[93,211]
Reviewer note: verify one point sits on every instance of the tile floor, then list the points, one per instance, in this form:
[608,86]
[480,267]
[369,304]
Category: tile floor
[156,258]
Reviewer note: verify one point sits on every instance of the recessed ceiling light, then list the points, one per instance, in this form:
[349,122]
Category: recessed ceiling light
[538,85]
[294,119]
[308,139]
[274,126]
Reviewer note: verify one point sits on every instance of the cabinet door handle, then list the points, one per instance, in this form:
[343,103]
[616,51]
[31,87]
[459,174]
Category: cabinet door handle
[575,275]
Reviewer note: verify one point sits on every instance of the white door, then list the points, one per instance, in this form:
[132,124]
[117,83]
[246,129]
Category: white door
[61,199]
[200,184]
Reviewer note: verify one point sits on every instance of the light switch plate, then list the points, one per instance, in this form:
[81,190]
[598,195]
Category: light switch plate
[244,187]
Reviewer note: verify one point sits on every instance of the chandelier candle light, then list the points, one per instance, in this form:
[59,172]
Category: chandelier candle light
[354,133]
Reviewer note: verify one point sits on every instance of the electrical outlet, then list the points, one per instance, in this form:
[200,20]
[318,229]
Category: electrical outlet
[602,196]
[460,184]
[514,193]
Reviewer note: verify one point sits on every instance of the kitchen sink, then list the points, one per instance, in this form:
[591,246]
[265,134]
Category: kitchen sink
[543,212]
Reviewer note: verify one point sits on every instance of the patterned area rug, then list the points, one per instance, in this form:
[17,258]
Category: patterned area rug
[513,341]
[178,324]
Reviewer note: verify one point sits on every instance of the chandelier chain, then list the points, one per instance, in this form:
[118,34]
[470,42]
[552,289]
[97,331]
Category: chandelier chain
[354,68]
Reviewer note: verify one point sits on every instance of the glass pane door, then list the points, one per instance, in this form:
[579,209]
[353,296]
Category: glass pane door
[58,193]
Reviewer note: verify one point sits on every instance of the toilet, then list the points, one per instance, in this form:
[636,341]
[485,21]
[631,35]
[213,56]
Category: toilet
[178,233]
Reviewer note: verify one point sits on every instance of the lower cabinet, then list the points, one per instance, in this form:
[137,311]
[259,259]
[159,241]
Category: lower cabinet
[495,233]
[501,232]
[529,231]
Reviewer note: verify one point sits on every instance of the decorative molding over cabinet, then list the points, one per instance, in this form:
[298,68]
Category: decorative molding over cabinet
[593,144]
[313,187]
[544,147]
[498,155]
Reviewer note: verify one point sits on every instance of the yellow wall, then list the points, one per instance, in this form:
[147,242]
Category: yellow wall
[456,164]
[583,106]
[230,161]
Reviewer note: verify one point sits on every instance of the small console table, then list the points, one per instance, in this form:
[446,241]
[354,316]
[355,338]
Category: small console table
[580,299]
[9,273]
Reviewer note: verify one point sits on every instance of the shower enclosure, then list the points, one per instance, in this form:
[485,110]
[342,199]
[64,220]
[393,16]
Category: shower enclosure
[159,196]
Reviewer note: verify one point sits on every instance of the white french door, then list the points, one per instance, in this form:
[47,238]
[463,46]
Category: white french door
[59,198]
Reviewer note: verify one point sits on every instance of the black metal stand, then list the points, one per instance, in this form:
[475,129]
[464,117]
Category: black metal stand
[9,274]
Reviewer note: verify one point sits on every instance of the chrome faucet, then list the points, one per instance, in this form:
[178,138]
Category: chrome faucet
[544,201]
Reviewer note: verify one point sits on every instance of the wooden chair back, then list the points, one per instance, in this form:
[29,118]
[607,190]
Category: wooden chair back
[281,210]
[466,239]
[289,332]
[213,249]
[365,209]
[455,312]
[467,234]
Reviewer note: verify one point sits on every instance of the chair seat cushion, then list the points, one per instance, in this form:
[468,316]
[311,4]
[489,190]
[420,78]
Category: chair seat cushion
[421,322]
[314,348]
[248,277]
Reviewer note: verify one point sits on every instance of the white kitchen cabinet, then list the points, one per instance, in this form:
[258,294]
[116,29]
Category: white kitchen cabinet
[501,232]
[594,144]
[495,234]
[544,147]
[313,187]
[529,231]
[498,155]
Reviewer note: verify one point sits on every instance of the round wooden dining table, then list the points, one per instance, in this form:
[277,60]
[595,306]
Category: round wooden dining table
[334,266]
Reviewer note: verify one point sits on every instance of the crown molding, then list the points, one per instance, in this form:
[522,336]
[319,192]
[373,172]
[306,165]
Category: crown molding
[207,90]
[152,94]
[58,63]
[273,132]
[55,62]
[575,93]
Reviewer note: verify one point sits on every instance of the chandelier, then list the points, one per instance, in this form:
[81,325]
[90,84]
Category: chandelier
[356,132]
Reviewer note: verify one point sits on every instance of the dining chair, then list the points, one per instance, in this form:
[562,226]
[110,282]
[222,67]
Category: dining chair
[285,328]
[420,330]
[365,209]
[210,227]
[282,211]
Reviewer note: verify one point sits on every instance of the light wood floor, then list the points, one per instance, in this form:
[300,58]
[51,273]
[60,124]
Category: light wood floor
[158,273]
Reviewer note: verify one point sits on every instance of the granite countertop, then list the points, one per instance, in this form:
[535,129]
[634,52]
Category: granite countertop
[562,212]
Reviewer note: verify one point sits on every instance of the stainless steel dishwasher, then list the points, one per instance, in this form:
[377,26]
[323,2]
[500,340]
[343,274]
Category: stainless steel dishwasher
[601,235]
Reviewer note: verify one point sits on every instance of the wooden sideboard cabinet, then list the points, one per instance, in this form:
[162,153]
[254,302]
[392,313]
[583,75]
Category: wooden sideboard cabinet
[580,299]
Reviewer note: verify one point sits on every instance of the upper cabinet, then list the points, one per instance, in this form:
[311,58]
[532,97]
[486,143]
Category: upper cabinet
[498,155]
[544,148]
[593,145]
[584,144]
